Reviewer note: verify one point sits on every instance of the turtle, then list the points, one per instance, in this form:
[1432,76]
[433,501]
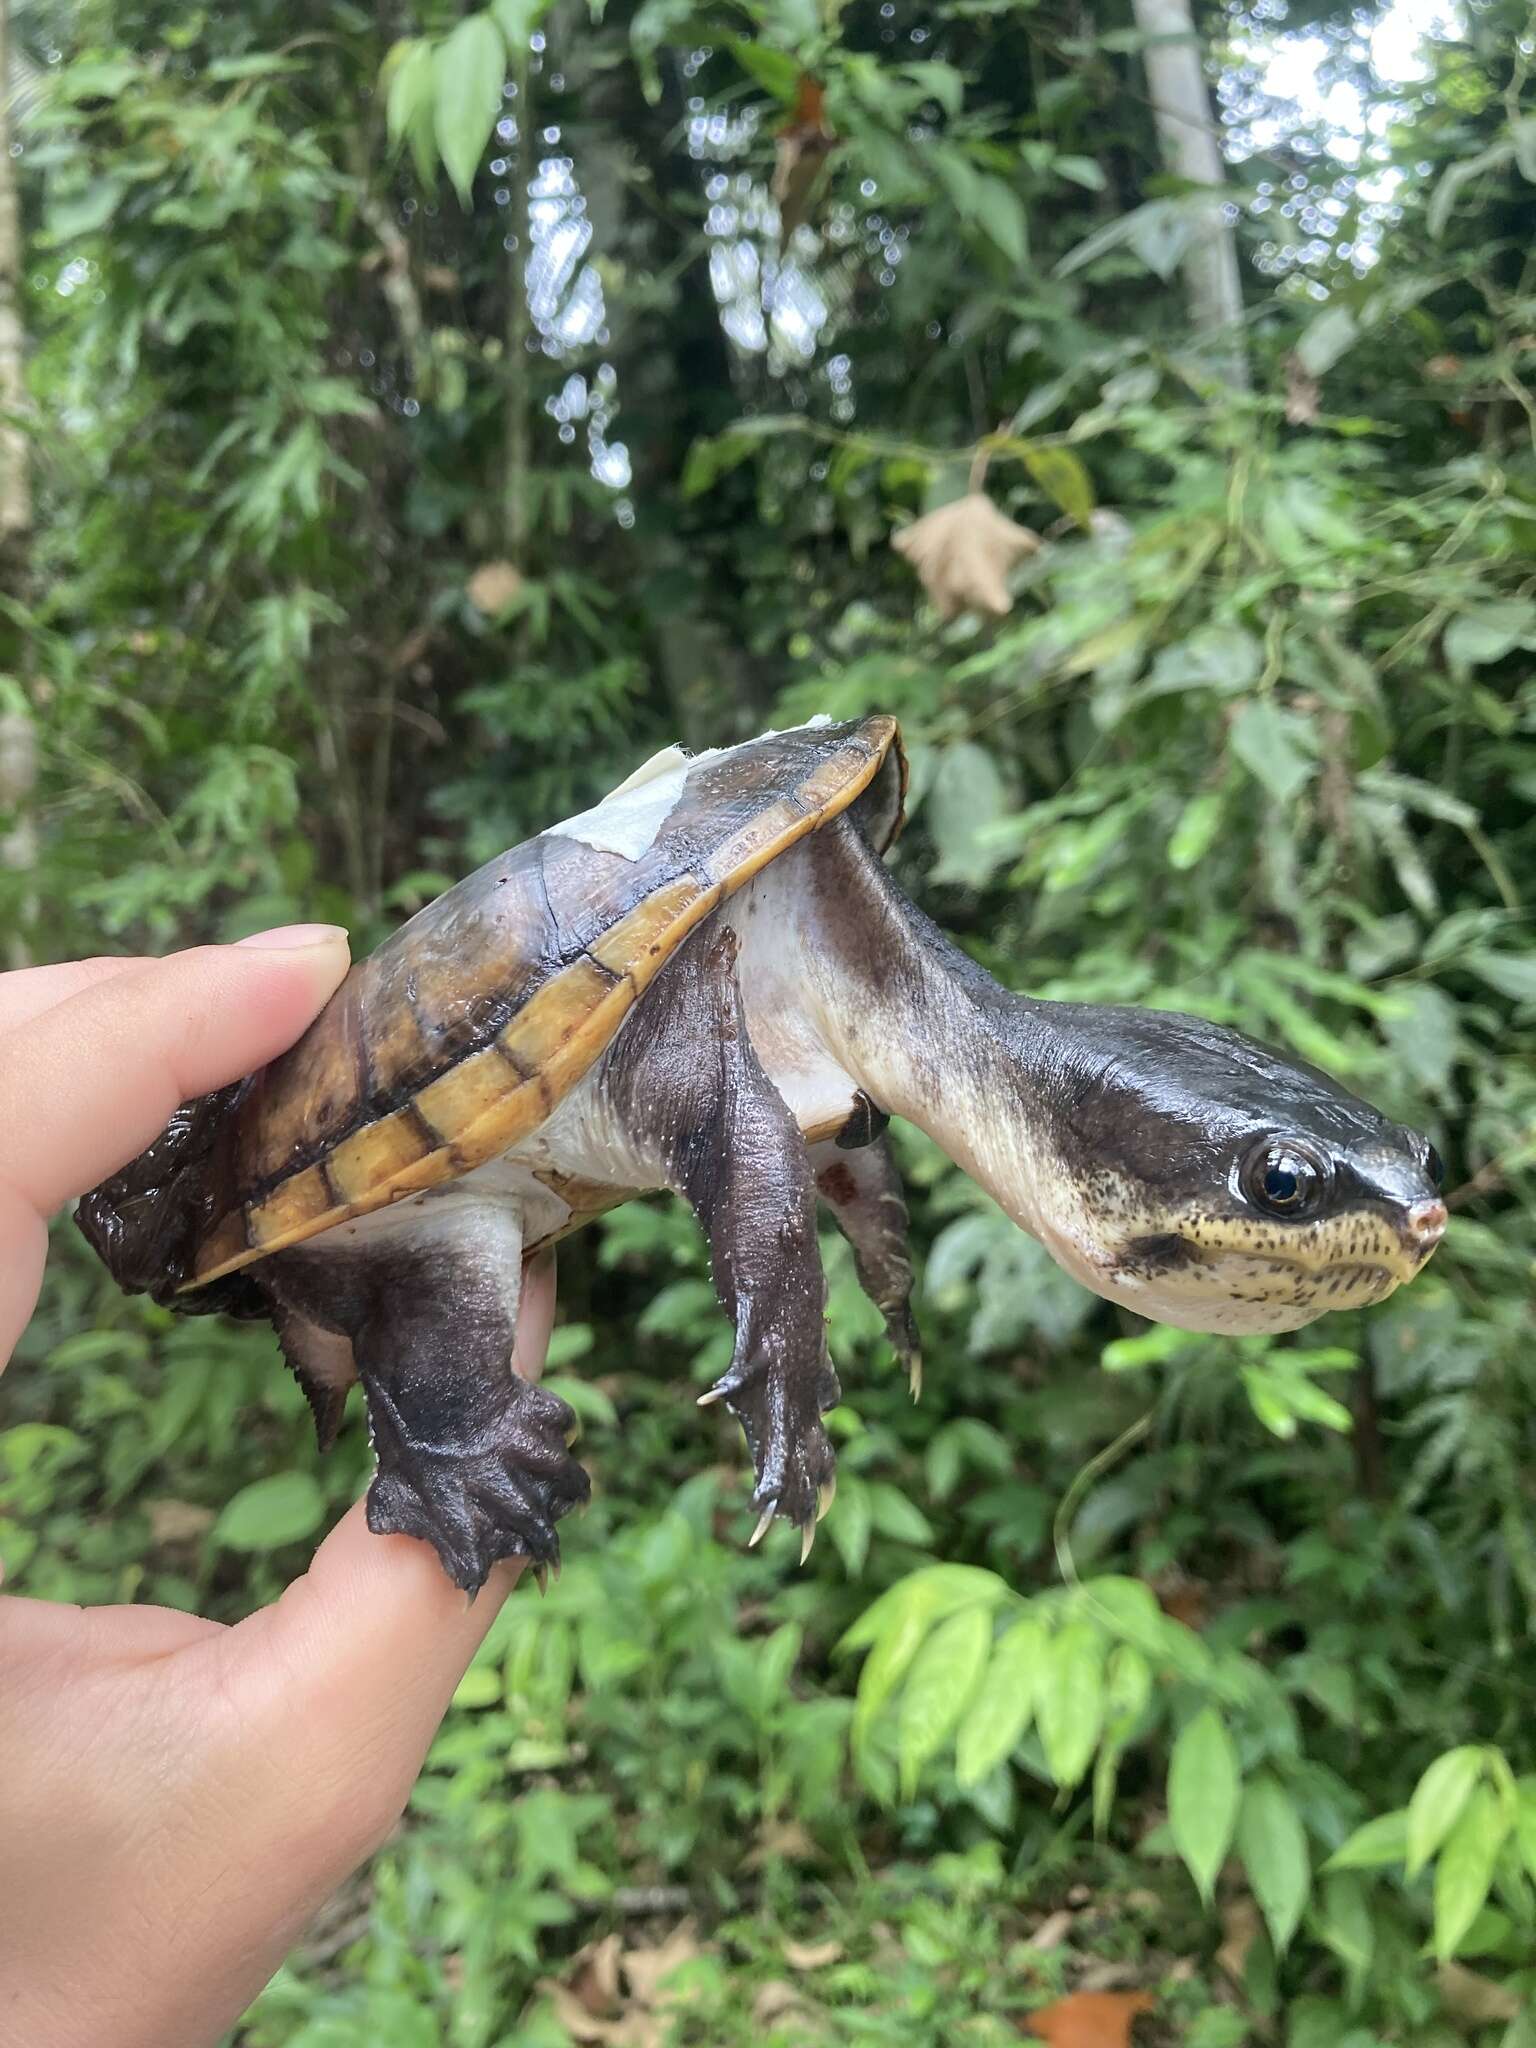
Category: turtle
[712,983]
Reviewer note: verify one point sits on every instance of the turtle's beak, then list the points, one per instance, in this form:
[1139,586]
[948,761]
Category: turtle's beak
[1421,1228]
[1410,1200]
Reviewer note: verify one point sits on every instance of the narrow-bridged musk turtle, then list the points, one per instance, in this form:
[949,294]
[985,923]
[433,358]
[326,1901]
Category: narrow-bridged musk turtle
[711,983]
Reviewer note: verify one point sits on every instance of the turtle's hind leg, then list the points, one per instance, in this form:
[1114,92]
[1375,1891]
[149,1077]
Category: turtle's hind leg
[690,1093]
[471,1457]
[863,1190]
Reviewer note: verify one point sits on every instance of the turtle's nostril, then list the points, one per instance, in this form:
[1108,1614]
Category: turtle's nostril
[1425,1223]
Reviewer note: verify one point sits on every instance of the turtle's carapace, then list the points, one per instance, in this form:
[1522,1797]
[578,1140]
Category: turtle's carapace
[718,988]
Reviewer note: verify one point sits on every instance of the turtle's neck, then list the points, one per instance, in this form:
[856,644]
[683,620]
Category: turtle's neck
[930,1035]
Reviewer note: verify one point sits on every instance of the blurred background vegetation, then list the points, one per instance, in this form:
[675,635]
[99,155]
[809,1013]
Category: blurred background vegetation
[423,422]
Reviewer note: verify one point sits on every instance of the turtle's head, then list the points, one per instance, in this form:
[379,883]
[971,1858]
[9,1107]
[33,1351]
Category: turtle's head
[1205,1181]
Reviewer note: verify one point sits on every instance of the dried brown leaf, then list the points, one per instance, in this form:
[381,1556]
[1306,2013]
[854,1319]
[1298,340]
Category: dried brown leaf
[1110,1976]
[493,586]
[1089,2019]
[781,1841]
[801,149]
[647,1969]
[812,1955]
[594,1975]
[1302,392]
[963,552]
[1053,1930]
[580,2024]
[1239,1930]
[177,1521]
[1476,2001]
[774,1999]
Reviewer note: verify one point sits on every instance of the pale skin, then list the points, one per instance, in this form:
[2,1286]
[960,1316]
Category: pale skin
[177,1797]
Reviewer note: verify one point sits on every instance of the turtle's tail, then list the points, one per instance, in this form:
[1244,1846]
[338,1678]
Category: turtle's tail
[144,1222]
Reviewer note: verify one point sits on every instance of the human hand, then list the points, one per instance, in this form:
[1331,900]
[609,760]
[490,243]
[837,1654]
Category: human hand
[177,1798]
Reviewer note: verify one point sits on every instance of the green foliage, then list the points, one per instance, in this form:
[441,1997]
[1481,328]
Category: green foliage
[1184,1621]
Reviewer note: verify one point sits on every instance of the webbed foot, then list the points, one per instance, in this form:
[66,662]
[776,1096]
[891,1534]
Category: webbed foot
[495,1494]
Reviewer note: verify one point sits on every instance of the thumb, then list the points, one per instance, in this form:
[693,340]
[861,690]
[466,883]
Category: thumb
[358,1659]
[95,1080]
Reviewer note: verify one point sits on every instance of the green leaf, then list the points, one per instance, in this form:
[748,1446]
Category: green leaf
[517,20]
[1347,1925]
[905,1628]
[1512,974]
[1195,833]
[408,69]
[1375,1846]
[1463,171]
[997,1717]
[1061,476]
[1326,339]
[714,456]
[998,210]
[1438,1800]
[469,69]
[1203,1793]
[1069,1700]
[282,1509]
[1488,633]
[68,218]
[1464,1872]
[1222,658]
[939,1689]
[773,70]
[1421,1028]
[1525,1823]
[1158,233]
[965,797]
[942,1587]
[1273,1845]
[1275,747]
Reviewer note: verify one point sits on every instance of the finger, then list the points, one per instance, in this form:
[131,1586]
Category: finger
[360,1657]
[31,990]
[82,1093]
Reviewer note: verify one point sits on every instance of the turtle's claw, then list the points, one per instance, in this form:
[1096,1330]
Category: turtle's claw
[807,1539]
[764,1523]
[825,1497]
[498,1495]
[915,1374]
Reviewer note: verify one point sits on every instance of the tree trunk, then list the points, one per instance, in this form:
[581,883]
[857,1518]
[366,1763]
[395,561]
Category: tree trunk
[1190,140]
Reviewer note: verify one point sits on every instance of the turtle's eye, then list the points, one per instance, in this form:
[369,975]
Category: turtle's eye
[1283,1178]
[1434,1166]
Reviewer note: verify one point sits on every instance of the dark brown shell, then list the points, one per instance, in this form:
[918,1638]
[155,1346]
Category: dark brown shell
[461,1033]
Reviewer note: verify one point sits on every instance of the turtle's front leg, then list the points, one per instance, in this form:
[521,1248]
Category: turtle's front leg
[472,1458]
[689,1091]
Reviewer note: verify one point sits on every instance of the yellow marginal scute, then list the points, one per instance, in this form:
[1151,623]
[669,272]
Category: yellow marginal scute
[379,1154]
[484,1106]
[291,1209]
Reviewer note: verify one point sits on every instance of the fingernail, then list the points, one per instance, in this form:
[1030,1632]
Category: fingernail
[290,937]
